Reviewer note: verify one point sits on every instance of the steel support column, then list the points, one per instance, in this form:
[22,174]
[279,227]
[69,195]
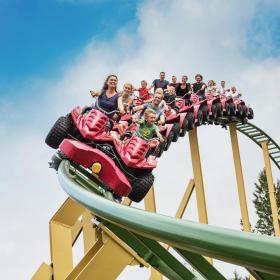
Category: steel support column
[183,204]
[271,189]
[239,177]
[106,263]
[185,200]
[198,178]
[89,231]
[44,272]
[240,180]
[64,228]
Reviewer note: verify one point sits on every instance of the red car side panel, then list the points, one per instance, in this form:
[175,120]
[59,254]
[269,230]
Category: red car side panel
[182,117]
[133,153]
[91,124]
[110,174]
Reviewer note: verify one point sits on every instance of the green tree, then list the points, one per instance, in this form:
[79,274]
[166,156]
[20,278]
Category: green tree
[261,201]
[237,277]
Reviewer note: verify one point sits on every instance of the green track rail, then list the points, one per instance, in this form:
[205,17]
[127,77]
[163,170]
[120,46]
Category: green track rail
[142,231]
[257,135]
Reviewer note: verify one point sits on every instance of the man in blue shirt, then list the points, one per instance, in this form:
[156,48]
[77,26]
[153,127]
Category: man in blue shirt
[160,83]
[155,105]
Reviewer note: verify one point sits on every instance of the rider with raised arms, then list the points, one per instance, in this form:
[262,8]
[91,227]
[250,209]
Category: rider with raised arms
[109,100]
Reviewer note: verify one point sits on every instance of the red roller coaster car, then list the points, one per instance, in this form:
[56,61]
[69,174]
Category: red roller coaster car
[84,136]
[126,167]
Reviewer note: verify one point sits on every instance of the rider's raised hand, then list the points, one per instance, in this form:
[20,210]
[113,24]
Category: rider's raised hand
[94,93]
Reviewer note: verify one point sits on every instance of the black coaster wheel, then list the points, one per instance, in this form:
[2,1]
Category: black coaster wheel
[244,115]
[250,114]
[227,110]
[191,120]
[205,113]
[219,110]
[199,121]
[59,132]
[176,131]
[240,111]
[141,186]
[168,140]
[159,149]
[232,109]
[184,127]
[214,111]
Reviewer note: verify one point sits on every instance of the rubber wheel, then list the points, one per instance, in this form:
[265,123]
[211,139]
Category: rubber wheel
[159,149]
[199,118]
[239,111]
[176,131]
[227,110]
[205,113]
[58,132]
[214,111]
[184,127]
[141,186]
[232,109]
[244,115]
[219,110]
[250,114]
[168,140]
[190,117]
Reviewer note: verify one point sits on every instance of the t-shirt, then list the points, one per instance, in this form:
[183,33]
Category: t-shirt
[212,90]
[175,85]
[157,83]
[222,90]
[183,91]
[146,131]
[170,99]
[158,110]
[197,89]
[126,99]
[107,104]
[144,93]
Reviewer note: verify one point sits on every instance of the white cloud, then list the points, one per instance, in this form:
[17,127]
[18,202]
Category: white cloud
[180,37]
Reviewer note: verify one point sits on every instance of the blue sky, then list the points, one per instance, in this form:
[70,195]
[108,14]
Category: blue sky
[39,36]
[264,33]
[53,52]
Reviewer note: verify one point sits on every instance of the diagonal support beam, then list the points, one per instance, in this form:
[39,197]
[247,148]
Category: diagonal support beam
[271,189]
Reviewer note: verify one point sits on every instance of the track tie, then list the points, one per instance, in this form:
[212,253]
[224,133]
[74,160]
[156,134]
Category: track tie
[261,140]
[271,143]
[276,152]
[243,125]
[255,134]
[251,132]
[276,157]
[249,129]
[272,148]
[261,136]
